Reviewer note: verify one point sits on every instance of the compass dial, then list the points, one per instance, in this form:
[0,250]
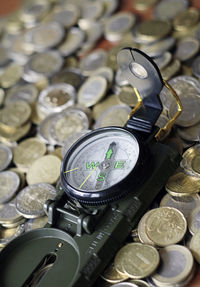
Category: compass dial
[101,159]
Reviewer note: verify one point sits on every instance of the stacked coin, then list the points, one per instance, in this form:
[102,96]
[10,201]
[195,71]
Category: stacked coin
[54,88]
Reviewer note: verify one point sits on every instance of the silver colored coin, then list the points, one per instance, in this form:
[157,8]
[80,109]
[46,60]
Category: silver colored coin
[194,220]
[190,133]
[140,283]
[163,60]
[92,10]
[105,72]
[182,261]
[71,140]
[168,9]
[197,32]
[26,92]
[118,25]
[113,116]
[156,49]
[92,91]
[44,64]
[73,41]
[190,114]
[187,48]
[110,6]
[39,222]
[30,200]
[66,16]
[9,184]
[67,123]
[9,213]
[182,85]
[45,36]
[196,67]
[5,156]
[34,11]
[44,129]
[184,204]
[56,98]
[93,61]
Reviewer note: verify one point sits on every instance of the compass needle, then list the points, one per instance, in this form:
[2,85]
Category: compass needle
[71,170]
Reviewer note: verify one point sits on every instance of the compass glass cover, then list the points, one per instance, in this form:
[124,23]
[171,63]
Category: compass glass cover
[101,160]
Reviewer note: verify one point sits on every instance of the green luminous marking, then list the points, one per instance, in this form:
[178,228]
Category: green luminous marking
[120,164]
[91,165]
[101,176]
[109,153]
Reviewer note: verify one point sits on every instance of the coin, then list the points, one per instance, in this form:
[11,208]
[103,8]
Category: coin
[92,91]
[9,214]
[141,260]
[27,152]
[108,101]
[56,98]
[118,24]
[144,4]
[66,16]
[45,36]
[186,49]
[186,19]
[4,57]
[44,169]
[182,184]
[151,30]
[125,284]
[11,75]
[189,133]
[113,116]
[171,70]
[182,261]
[67,123]
[195,247]
[71,76]
[30,200]
[44,129]
[168,9]
[111,275]
[73,41]
[9,183]
[140,283]
[8,234]
[127,96]
[105,72]
[93,61]
[39,222]
[142,229]
[14,135]
[15,114]
[5,156]
[26,92]
[165,226]
[184,204]
[44,64]
[191,160]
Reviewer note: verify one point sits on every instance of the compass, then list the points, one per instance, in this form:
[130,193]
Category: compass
[100,166]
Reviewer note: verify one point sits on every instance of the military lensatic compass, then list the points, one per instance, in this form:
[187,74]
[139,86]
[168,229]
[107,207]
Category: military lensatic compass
[109,177]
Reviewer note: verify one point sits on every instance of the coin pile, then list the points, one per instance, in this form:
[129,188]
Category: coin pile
[59,79]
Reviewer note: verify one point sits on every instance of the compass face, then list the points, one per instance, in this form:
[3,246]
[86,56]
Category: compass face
[101,160]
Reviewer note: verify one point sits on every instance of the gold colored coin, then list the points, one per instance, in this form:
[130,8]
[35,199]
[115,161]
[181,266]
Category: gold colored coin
[27,152]
[141,260]
[111,275]
[7,234]
[45,169]
[142,5]
[36,223]
[151,30]
[15,135]
[11,75]
[186,19]
[182,184]
[195,246]
[142,228]
[171,70]
[191,160]
[2,96]
[15,114]
[57,152]
[165,226]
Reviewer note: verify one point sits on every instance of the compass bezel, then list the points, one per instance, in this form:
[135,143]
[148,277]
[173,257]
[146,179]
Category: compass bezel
[116,191]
